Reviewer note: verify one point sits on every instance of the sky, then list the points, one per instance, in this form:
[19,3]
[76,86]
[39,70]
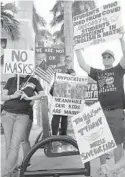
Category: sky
[43,8]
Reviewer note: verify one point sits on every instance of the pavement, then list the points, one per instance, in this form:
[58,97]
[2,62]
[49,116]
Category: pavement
[40,161]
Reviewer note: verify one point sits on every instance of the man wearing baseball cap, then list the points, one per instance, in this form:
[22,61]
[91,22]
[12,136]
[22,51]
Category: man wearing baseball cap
[110,94]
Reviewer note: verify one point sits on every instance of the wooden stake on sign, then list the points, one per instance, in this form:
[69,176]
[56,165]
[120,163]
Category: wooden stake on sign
[18,82]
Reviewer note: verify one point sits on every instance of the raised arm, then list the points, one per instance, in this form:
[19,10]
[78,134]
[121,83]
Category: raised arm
[122,61]
[82,62]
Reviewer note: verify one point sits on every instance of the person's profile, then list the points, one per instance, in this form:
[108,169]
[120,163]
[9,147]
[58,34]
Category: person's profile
[40,57]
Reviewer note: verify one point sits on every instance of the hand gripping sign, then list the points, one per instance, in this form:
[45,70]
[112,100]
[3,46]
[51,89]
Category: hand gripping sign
[92,133]
[68,95]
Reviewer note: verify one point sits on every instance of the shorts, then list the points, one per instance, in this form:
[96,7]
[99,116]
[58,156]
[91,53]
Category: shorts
[115,119]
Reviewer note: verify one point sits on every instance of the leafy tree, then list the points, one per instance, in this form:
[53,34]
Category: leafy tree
[8,21]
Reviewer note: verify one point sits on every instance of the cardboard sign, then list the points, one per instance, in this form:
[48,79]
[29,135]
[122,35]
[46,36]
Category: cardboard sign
[66,106]
[92,92]
[18,62]
[68,95]
[98,25]
[92,133]
[54,57]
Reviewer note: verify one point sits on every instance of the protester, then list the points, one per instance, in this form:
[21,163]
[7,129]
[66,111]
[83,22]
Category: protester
[61,61]
[56,118]
[110,94]
[25,142]
[15,115]
[121,163]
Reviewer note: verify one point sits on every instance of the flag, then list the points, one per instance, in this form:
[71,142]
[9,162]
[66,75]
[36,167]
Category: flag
[45,71]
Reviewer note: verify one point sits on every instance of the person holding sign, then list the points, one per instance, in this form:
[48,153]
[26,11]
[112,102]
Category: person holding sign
[56,118]
[110,94]
[15,115]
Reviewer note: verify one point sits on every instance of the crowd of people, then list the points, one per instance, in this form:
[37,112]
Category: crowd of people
[17,110]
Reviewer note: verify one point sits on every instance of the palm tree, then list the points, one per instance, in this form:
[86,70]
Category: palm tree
[42,34]
[59,34]
[8,21]
[38,21]
[58,14]
[39,27]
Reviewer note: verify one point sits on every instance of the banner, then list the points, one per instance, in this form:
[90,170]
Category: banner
[98,25]
[92,133]
[18,62]
[54,57]
[68,95]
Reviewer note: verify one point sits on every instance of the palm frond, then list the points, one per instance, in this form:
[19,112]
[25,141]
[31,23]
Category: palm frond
[8,7]
[58,7]
[8,21]
[59,34]
[44,32]
[58,13]
[57,20]
[37,20]
[11,28]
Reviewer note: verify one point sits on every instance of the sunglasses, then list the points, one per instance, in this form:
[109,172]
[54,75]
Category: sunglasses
[107,56]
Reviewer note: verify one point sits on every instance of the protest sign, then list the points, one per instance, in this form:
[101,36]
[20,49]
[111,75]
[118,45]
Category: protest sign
[18,62]
[68,95]
[54,57]
[92,92]
[66,106]
[92,133]
[98,25]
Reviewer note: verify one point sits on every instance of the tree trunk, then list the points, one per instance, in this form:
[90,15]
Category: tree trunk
[68,29]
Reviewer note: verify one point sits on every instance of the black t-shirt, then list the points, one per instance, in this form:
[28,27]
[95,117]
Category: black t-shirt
[16,105]
[110,86]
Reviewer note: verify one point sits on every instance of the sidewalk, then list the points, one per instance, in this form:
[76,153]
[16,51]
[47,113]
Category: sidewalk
[50,162]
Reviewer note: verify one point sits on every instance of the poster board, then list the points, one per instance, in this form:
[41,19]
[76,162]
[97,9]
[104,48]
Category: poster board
[92,133]
[68,95]
[18,62]
[53,56]
[92,92]
[98,25]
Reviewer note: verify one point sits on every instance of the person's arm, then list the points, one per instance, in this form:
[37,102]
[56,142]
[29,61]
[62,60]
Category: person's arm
[6,97]
[82,62]
[35,97]
[38,90]
[122,61]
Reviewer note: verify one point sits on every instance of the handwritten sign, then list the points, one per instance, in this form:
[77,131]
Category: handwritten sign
[54,57]
[92,92]
[68,95]
[18,62]
[98,25]
[66,106]
[92,133]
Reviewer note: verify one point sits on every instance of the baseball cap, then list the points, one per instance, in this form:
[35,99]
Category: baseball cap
[108,52]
